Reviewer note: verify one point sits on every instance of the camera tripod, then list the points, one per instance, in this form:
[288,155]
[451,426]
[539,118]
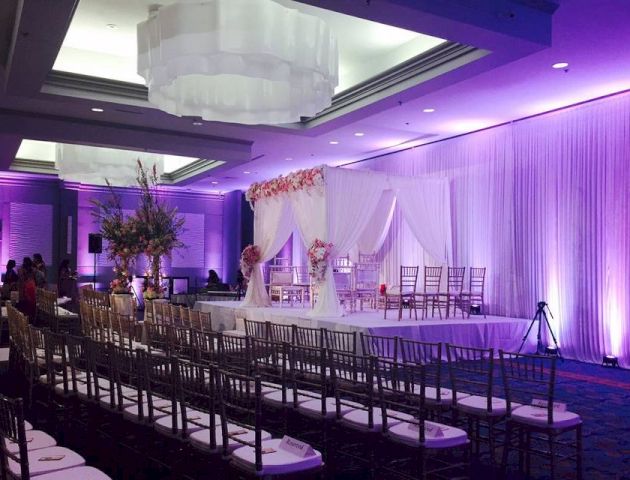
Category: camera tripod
[541,316]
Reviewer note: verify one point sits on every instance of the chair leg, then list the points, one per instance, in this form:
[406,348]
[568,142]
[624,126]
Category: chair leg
[578,453]
[552,457]
[506,448]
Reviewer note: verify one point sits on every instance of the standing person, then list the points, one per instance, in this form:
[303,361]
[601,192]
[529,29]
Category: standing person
[27,287]
[66,283]
[40,266]
[10,280]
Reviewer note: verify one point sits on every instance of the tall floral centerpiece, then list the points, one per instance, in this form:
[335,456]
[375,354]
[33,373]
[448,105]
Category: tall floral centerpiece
[318,255]
[122,239]
[158,226]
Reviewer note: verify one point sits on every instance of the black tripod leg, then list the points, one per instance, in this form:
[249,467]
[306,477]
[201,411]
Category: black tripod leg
[553,336]
[527,333]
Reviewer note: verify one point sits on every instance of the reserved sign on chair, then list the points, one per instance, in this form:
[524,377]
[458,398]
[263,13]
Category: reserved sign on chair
[557,406]
[296,447]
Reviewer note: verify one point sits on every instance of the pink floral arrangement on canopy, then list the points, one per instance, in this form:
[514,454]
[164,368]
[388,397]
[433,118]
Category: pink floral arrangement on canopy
[293,182]
[249,258]
[318,255]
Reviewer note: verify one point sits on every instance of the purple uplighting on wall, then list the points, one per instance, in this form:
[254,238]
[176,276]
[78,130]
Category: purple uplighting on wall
[544,204]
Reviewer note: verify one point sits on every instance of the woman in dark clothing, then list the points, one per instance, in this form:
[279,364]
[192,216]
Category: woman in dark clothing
[27,286]
[214,282]
[9,280]
[66,280]
[40,266]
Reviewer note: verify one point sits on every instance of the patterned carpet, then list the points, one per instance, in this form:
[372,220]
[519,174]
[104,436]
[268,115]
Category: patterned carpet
[600,395]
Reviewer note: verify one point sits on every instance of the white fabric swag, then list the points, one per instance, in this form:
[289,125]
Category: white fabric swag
[273,225]
[353,208]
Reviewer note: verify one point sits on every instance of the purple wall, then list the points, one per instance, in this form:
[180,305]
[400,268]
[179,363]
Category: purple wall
[72,221]
[23,197]
[203,233]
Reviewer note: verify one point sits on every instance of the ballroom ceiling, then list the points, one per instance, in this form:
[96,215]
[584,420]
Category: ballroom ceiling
[101,41]
[513,44]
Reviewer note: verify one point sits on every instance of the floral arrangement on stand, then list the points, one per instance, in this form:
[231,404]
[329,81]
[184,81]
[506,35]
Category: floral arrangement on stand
[153,230]
[249,257]
[122,239]
[158,226]
[318,255]
[293,182]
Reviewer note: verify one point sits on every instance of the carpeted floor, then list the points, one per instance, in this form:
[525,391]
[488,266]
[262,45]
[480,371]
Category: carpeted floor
[600,395]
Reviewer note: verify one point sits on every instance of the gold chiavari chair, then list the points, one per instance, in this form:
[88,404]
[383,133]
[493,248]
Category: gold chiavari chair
[404,293]
[430,295]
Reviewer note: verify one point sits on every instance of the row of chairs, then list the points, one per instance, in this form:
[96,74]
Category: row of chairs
[432,296]
[93,297]
[27,453]
[468,387]
[470,370]
[214,409]
[180,315]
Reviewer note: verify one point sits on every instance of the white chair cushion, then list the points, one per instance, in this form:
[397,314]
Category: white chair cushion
[359,419]
[266,388]
[479,405]
[408,434]
[201,438]
[276,463]
[200,419]
[105,398]
[275,397]
[81,376]
[313,408]
[36,439]
[446,394]
[38,466]
[536,416]
[131,412]
[78,473]
[41,357]
[103,383]
[27,426]
[234,333]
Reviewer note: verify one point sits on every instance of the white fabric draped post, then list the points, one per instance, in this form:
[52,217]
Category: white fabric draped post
[350,200]
[273,225]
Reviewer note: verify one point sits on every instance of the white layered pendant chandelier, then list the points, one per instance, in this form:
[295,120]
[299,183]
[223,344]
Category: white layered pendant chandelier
[238,61]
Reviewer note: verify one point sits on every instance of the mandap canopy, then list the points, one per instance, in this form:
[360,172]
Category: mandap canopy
[338,209]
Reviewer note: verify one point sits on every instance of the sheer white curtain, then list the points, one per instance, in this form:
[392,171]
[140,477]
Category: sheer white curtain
[427,210]
[374,234]
[273,225]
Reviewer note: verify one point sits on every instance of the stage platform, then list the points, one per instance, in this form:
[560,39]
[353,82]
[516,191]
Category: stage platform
[476,331]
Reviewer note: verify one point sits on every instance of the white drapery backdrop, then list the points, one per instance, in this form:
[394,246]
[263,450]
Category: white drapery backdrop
[353,208]
[543,203]
[273,225]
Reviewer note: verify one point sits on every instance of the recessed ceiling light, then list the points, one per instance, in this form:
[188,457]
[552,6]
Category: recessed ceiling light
[334,142]
[246,172]
[97,109]
[359,134]
[197,123]
[214,182]
[112,26]
[560,65]
[429,110]
[289,158]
